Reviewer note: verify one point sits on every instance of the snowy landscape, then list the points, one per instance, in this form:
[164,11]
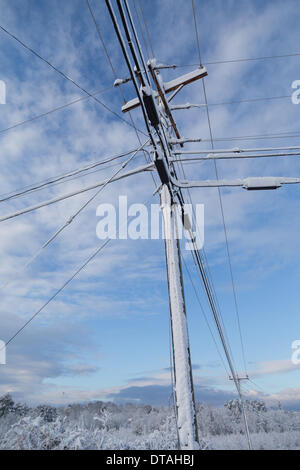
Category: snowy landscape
[101,426]
[149,225]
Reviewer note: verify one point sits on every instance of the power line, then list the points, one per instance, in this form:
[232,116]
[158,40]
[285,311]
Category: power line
[59,108]
[231,61]
[275,135]
[101,38]
[233,156]
[141,29]
[250,100]
[26,210]
[210,297]
[58,291]
[250,183]
[128,62]
[78,211]
[203,274]
[98,170]
[196,33]
[203,313]
[234,376]
[68,78]
[187,428]
[115,76]
[223,340]
[236,150]
[146,27]
[137,42]
[266,136]
[220,196]
[258,386]
[168,177]
[209,277]
[60,178]
[208,274]
[208,282]
[225,103]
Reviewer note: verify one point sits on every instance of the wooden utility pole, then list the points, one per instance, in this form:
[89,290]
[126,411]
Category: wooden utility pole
[184,390]
[157,115]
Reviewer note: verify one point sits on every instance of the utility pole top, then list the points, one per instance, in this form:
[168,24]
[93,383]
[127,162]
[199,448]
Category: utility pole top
[168,86]
[239,378]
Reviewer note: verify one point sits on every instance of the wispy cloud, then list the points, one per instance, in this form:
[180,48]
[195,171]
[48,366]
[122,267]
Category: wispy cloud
[275,367]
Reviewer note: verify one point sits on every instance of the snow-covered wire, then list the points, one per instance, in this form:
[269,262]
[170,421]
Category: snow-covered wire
[233,61]
[204,314]
[234,376]
[72,217]
[62,177]
[220,198]
[67,78]
[26,210]
[228,156]
[64,285]
[147,158]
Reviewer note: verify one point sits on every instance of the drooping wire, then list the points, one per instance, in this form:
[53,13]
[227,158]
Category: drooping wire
[58,291]
[90,258]
[223,341]
[256,385]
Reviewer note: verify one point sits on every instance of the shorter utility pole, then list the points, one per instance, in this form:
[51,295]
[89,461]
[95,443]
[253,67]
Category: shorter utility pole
[238,380]
[184,389]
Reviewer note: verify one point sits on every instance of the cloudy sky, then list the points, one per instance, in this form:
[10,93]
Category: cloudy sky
[106,336]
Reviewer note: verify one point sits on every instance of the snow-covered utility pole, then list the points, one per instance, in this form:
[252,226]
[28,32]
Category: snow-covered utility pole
[184,391]
[238,380]
[151,98]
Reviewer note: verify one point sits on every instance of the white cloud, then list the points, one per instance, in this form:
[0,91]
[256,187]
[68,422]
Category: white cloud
[275,367]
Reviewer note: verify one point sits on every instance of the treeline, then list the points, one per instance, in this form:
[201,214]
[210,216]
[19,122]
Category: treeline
[101,425]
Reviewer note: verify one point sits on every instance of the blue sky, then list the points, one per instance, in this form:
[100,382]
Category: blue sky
[107,335]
